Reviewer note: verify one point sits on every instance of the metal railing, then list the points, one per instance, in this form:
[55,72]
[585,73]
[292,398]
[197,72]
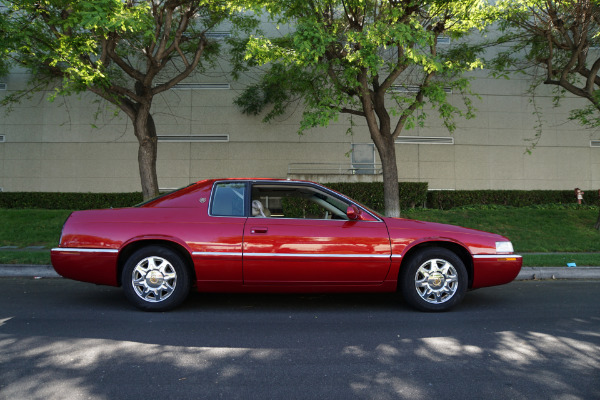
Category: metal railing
[334,169]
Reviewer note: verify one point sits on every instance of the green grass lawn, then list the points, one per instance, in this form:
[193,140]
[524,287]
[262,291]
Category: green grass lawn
[531,230]
[24,228]
[561,259]
[25,257]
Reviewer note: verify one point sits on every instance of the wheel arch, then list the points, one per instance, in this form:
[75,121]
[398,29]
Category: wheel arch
[132,247]
[456,248]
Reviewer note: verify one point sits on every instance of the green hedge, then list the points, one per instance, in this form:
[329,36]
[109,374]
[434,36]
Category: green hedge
[68,201]
[412,194]
[447,199]
[297,207]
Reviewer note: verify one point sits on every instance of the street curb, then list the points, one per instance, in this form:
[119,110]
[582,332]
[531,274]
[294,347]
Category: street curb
[540,273]
[527,273]
[28,270]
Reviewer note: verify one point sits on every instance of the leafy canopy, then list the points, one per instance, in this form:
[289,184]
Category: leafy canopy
[95,43]
[555,42]
[63,38]
[333,53]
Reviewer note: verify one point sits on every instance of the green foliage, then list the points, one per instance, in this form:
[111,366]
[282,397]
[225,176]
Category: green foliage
[298,207]
[449,199]
[67,201]
[412,194]
[371,194]
[31,227]
[126,52]
[552,43]
[355,56]
[561,259]
[4,47]
[95,44]
[530,230]
[340,50]
[25,257]
[63,39]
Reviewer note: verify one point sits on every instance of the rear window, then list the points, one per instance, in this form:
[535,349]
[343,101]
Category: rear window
[228,199]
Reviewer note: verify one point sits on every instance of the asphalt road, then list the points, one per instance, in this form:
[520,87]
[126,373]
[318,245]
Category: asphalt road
[527,340]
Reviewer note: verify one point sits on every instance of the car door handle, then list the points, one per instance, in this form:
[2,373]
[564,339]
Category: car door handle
[259,230]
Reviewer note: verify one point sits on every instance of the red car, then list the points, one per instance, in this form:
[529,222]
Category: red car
[275,236]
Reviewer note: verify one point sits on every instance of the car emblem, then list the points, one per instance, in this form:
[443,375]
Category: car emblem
[202,199]
[154,277]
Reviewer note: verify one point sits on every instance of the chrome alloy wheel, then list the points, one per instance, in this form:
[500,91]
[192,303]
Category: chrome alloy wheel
[154,279]
[436,281]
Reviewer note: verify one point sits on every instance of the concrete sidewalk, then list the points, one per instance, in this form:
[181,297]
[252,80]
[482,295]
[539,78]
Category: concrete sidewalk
[527,273]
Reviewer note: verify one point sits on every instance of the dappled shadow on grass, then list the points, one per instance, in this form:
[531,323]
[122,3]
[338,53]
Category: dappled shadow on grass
[68,339]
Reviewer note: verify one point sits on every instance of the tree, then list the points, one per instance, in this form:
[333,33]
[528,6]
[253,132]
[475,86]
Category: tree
[126,52]
[375,59]
[554,37]
[4,51]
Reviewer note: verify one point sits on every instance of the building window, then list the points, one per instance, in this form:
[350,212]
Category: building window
[218,35]
[363,158]
[202,86]
[412,89]
[193,138]
[424,140]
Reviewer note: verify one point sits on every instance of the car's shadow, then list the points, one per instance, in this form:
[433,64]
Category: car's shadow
[297,302]
[85,297]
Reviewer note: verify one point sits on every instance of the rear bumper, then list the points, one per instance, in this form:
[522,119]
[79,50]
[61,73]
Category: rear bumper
[87,265]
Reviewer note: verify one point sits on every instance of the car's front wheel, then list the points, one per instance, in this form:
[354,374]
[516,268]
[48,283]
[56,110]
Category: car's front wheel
[434,279]
[155,278]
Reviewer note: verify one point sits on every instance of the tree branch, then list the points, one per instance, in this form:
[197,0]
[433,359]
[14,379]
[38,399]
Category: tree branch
[353,112]
[186,72]
[414,105]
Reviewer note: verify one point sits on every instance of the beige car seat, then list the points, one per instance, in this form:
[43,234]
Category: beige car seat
[258,210]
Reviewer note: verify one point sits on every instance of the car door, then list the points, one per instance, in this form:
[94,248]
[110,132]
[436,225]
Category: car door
[218,250]
[295,241]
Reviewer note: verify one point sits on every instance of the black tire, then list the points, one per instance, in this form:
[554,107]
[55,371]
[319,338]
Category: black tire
[155,278]
[434,279]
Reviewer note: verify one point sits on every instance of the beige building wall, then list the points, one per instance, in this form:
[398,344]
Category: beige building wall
[78,144]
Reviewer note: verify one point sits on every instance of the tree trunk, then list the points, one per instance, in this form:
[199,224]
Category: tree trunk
[597,226]
[387,154]
[145,131]
[374,111]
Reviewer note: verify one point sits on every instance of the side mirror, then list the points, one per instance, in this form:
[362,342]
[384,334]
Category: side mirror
[353,213]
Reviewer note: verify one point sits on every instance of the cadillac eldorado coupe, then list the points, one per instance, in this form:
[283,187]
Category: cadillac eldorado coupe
[275,236]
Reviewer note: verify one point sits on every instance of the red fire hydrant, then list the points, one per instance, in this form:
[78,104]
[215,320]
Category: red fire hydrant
[579,194]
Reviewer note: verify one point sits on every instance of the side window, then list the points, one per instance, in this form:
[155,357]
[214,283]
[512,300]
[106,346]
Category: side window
[228,199]
[273,201]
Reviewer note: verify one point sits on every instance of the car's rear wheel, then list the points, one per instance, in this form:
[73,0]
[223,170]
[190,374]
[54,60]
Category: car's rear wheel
[155,278]
[434,279]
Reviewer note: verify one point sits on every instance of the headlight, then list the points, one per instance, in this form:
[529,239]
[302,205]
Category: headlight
[504,247]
